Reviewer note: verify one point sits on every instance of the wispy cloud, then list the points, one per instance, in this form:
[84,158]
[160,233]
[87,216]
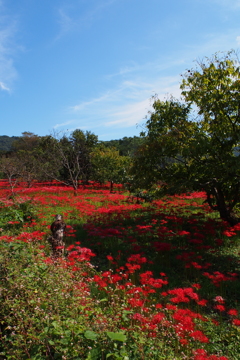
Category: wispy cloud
[85,104]
[73,18]
[127,104]
[66,123]
[134,113]
[129,115]
[126,100]
[7,48]
[4,87]
[230,4]
[66,22]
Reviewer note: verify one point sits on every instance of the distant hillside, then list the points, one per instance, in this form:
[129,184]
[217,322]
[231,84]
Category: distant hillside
[6,142]
[126,145]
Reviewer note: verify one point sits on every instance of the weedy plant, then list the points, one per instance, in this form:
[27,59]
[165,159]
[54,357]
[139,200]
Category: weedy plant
[16,214]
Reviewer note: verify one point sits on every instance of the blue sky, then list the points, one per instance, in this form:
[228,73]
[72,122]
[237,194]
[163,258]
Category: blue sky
[95,64]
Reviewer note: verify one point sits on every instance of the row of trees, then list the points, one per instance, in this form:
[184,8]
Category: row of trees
[191,143]
[68,159]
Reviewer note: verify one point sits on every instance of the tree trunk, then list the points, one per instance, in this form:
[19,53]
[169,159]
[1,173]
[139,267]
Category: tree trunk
[111,186]
[224,210]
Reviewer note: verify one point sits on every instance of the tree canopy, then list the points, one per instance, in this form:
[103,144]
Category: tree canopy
[193,143]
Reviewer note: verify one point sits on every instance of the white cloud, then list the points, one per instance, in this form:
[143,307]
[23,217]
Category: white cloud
[69,122]
[126,105]
[85,104]
[3,86]
[7,49]
[126,102]
[129,115]
[135,112]
[70,20]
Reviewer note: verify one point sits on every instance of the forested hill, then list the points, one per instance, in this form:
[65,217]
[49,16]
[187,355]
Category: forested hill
[126,145]
[6,142]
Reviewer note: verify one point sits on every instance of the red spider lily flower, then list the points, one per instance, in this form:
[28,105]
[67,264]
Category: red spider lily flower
[171,307]
[48,261]
[139,317]
[135,290]
[218,277]
[236,227]
[157,318]
[202,302]
[136,302]
[236,322]
[70,247]
[219,299]
[137,258]
[233,312]
[162,274]
[183,342]
[199,335]
[197,286]
[115,278]
[195,265]
[201,354]
[229,233]
[81,254]
[182,232]
[220,307]
[99,281]
[147,279]
[183,295]
[106,274]
[132,268]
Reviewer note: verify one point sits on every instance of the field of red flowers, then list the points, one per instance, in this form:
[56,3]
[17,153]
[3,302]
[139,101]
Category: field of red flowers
[139,280]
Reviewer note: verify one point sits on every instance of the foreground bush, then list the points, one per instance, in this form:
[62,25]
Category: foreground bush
[48,313]
[57,311]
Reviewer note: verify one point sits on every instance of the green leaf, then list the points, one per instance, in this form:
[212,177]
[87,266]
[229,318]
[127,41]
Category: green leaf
[117,336]
[55,324]
[110,354]
[90,335]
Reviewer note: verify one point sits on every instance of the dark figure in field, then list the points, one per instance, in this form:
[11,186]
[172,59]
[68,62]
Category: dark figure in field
[58,228]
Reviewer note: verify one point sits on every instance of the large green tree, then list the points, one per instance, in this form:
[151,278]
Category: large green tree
[23,160]
[194,143]
[108,165]
[67,159]
[25,150]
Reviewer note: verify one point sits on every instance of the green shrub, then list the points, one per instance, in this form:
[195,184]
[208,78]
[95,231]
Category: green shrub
[15,216]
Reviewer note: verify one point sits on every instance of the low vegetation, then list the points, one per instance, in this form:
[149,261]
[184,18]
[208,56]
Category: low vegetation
[139,280]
